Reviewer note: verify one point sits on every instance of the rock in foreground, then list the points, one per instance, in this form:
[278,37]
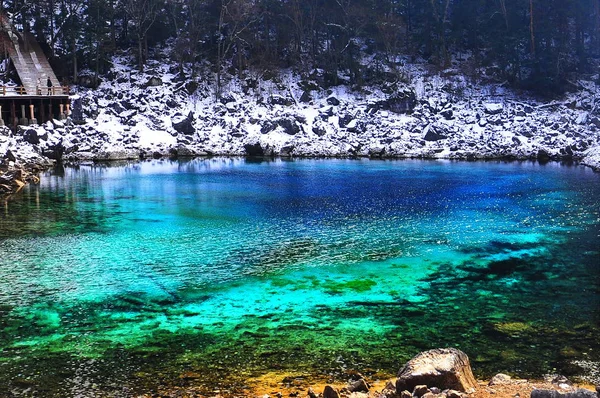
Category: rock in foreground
[444,368]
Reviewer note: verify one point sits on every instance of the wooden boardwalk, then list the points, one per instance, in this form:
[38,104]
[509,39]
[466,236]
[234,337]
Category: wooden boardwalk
[29,60]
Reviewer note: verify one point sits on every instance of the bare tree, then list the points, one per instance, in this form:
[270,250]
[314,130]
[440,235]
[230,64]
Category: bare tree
[235,18]
[531,30]
[143,14]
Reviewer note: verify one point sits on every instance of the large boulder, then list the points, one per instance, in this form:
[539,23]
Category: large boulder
[31,136]
[254,149]
[433,133]
[493,108]
[183,124]
[445,368]
[289,126]
[154,81]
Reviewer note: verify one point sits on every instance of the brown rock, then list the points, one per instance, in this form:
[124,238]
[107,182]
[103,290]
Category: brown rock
[389,391]
[445,368]
[454,394]
[330,392]
[405,394]
[359,386]
[311,393]
[420,390]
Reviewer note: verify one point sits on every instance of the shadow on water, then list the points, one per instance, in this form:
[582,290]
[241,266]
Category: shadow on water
[503,314]
[525,308]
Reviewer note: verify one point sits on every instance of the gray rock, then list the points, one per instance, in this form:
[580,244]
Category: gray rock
[154,81]
[344,120]
[31,136]
[500,379]
[319,129]
[254,149]
[280,100]
[286,151]
[448,114]
[402,101]
[431,134]
[493,108]
[289,126]
[333,101]
[579,393]
[305,97]
[183,124]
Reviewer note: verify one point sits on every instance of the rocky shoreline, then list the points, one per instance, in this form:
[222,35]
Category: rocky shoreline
[437,373]
[441,115]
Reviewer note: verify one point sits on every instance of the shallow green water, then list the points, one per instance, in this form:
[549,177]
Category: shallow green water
[117,280]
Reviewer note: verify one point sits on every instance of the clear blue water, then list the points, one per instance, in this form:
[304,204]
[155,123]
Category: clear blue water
[117,280]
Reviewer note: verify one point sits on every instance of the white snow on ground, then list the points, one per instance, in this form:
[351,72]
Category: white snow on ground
[158,112]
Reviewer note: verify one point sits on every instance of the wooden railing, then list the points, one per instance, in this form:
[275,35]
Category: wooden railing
[44,91]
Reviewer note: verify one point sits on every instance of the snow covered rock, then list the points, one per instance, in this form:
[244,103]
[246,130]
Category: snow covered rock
[333,101]
[254,149]
[403,101]
[433,133]
[154,81]
[183,124]
[280,100]
[493,108]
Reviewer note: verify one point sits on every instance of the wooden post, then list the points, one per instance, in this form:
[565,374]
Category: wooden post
[61,115]
[23,121]
[50,115]
[1,119]
[68,109]
[13,113]
[32,119]
[42,112]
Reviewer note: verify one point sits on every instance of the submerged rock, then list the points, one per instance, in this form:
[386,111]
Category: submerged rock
[445,368]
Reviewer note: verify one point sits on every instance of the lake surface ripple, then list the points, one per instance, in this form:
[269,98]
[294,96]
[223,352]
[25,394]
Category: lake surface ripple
[117,280]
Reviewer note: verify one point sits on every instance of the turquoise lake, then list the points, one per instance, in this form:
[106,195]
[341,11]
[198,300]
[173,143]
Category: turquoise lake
[117,280]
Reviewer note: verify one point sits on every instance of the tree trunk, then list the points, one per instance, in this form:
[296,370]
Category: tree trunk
[75,72]
[240,61]
[140,53]
[597,25]
[531,30]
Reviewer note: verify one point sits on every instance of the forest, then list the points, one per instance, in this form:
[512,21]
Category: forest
[532,44]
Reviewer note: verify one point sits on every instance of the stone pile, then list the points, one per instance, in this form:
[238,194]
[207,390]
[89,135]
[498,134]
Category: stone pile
[443,373]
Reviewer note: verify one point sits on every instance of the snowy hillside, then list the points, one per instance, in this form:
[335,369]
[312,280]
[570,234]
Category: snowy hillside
[160,113]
